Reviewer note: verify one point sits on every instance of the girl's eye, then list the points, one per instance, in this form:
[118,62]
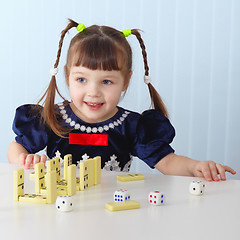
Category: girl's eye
[107,82]
[81,80]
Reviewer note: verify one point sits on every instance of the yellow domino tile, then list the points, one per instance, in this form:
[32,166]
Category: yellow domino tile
[51,186]
[130,177]
[62,184]
[32,175]
[18,184]
[51,165]
[71,182]
[97,170]
[86,174]
[33,198]
[77,183]
[126,205]
[39,177]
[67,162]
[58,168]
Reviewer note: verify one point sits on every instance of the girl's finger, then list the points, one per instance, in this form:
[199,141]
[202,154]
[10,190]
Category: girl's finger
[206,173]
[221,171]
[29,161]
[214,171]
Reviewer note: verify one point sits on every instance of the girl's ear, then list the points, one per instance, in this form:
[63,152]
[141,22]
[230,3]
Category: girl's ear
[126,83]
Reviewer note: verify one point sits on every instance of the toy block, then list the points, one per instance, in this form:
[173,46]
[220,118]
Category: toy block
[33,198]
[67,162]
[32,175]
[39,177]
[86,174]
[18,184]
[78,183]
[130,177]
[97,170]
[51,165]
[58,168]
[126,205]
[51,187]
[71,182]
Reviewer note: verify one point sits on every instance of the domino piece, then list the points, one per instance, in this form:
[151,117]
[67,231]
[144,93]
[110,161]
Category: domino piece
[97,170]
[71,182]
[130,204]
[39,177]
[58,168]
[18,184]
[32,175]
[33,198]
[51,165]
[67,162]
[86,174]
[51,187]
[130,177]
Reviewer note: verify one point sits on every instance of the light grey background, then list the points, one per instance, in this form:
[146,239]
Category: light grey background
[193,49]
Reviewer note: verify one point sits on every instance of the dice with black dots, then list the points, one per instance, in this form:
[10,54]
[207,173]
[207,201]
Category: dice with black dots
[64,203]
[197,188]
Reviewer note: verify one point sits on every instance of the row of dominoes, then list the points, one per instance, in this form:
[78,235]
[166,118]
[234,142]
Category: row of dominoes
[51,188]
[90,172]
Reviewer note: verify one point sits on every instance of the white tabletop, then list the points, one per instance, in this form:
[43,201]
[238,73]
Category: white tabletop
[215,215]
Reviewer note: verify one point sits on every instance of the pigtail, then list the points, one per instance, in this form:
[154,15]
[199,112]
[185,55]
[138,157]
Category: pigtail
[49,114]
[156,100]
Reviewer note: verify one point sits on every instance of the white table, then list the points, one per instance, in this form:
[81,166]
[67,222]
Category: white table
[215,215]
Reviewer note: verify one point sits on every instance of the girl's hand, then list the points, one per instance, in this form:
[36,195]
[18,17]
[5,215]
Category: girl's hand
[29,160]
[210,171]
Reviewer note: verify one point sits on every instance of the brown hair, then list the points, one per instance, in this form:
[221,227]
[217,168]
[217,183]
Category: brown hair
[96,47]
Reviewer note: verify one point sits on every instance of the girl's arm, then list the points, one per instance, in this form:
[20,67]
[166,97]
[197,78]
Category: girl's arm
[17,154]
[174,164]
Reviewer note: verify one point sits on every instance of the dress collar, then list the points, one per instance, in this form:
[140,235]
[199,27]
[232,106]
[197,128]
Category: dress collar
[76,123]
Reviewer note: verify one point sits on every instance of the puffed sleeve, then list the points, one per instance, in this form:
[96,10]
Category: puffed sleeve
[154,133]
[27,125]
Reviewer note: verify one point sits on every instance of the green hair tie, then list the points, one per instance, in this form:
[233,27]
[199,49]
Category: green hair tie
[127,32]
[80,27]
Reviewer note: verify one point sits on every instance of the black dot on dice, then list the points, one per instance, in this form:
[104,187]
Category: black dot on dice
[70,204]
[63,202]
[58,207]
[194,189]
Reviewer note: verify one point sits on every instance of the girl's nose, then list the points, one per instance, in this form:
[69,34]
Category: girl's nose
[93,91]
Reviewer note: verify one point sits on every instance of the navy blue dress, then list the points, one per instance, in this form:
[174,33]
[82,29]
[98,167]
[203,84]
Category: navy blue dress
[146,136]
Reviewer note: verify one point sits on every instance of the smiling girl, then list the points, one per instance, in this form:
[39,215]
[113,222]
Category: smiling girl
[97,72]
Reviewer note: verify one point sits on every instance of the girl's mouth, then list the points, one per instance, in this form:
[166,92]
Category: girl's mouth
[94,106]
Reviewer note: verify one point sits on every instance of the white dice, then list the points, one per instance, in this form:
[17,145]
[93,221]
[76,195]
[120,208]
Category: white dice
[121,195]
[156,198]
[197,188]
[64,203]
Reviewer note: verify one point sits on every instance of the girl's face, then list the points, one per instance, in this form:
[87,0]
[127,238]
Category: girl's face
[95,93]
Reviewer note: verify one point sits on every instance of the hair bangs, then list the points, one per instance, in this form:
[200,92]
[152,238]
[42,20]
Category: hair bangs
[99,54]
